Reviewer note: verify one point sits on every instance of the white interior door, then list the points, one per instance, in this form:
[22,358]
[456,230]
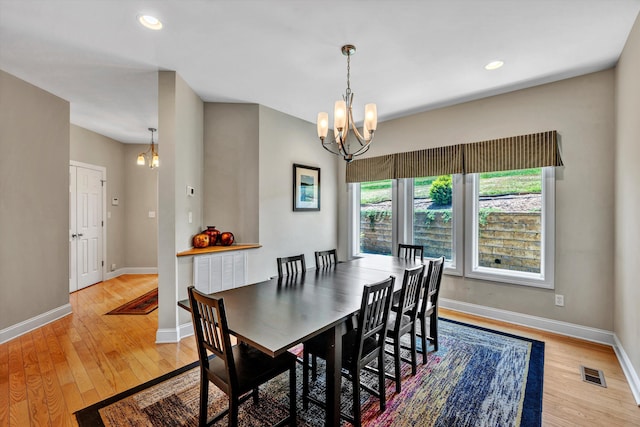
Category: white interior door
[85,227]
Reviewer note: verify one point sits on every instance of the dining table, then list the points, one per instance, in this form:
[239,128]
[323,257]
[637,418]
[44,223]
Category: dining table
[277,314]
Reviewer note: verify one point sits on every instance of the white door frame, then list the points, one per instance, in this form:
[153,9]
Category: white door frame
[103,171]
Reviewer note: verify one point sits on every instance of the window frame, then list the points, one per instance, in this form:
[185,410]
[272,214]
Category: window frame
[546,277]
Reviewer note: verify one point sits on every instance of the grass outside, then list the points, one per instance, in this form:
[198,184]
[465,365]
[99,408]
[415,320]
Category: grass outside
[524,181]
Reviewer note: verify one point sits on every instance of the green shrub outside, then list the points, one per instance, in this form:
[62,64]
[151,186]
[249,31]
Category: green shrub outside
[440,191]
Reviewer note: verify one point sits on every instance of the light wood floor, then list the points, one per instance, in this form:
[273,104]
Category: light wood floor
[48,374]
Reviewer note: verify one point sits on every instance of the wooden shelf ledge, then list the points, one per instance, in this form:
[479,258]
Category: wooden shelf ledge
[215,249]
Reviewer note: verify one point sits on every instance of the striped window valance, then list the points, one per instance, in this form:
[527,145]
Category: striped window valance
[517,152]
[371,169]
[429,162]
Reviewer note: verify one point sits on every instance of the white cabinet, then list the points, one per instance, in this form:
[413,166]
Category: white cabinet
[221,271]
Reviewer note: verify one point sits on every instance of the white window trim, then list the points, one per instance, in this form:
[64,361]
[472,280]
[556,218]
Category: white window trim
[547,269]
[455,266]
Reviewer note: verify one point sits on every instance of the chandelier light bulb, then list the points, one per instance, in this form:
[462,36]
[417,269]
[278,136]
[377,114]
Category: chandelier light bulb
[323,124]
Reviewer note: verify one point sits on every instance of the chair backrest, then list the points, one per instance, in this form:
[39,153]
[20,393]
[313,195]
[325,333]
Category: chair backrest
[326,258]
[410,293]
[411,251]
[212,332]
[288,266]
[432,281]
[374,313]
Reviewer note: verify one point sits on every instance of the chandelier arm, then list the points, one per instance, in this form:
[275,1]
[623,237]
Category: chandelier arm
[363,150]
[324,145]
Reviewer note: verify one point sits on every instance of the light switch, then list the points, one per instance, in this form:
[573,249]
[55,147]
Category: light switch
[190,217]
[152,214]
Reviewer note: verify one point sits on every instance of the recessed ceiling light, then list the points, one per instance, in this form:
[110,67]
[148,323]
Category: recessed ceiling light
[150,22]
[493,65]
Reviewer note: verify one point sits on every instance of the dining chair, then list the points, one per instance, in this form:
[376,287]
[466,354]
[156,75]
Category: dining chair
[288,266]
[237,370]
[360,346]
[326,258]
[429,306]
[402,321]
[410,251]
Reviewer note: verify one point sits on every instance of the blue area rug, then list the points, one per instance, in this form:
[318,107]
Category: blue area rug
[478,377]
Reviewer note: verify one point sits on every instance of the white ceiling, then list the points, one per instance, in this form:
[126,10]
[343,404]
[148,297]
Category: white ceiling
[285,54]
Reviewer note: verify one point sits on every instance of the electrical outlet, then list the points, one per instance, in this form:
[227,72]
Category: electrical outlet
[113,267]
[560,300]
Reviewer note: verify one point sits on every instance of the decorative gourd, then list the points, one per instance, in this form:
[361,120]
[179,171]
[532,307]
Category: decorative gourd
[201,240]
[226,238]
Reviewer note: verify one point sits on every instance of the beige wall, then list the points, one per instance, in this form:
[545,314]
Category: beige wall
[231,169]
[140,198]
[581,110]
[180,130]
[249,155]
[627,201]
[285,140]
[34,201]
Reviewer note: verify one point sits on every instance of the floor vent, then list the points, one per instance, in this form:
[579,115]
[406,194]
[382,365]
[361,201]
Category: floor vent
[593,376]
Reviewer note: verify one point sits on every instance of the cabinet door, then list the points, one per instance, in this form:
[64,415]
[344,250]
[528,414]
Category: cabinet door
[239,269]
[217,272]
[201,273]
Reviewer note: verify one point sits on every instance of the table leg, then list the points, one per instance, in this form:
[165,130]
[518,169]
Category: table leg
[334,366]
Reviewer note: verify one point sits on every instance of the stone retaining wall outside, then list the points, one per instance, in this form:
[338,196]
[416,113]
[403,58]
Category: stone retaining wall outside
[508,240]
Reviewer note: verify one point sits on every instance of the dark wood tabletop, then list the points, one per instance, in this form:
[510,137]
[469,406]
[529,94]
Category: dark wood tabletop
[277,314]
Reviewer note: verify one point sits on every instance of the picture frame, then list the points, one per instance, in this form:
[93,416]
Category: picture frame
[306,188]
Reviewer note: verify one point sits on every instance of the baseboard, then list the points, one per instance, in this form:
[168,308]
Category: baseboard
[627,368]
[165,336]
[28,325]
[556,326]
[186,330]
[130,270]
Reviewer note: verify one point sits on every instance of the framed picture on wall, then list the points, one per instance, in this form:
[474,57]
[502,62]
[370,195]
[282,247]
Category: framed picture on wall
[306,188]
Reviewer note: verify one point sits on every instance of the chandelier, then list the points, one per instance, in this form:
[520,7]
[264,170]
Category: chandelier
[343,122]
[151,155]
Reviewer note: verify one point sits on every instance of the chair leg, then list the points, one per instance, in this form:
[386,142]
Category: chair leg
[414,354]
[293,412]
[424,340]
[204,397]
[357,416]
[433,329]
[233,412]
[397,362]
[314,368]
[255,395]
[305,380]
[381,381]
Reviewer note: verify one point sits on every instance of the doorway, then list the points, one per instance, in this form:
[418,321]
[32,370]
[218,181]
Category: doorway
[86,225]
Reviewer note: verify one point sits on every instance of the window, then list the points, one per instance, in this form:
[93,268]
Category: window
[510,226]
[437,215]
[403,211]
[505,232]
[376,217]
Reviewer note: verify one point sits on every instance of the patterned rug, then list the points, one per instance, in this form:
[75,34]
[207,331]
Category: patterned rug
[478,377]
[144,304]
